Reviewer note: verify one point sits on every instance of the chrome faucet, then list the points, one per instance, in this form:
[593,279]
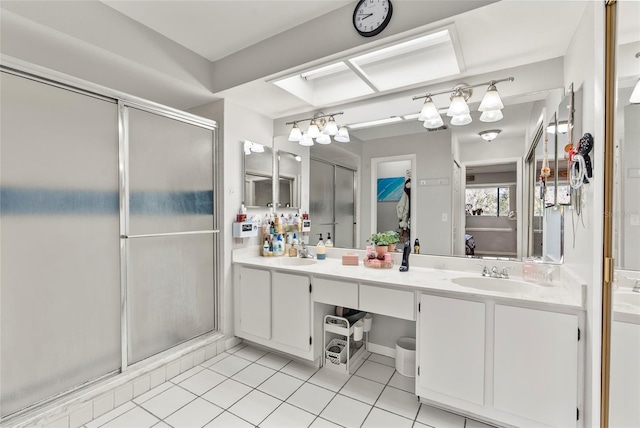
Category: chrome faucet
[494,273]
[485,271]
[636,286]
[304,252]
[505,273]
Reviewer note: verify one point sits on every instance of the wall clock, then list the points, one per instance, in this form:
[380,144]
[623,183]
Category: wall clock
[372,16]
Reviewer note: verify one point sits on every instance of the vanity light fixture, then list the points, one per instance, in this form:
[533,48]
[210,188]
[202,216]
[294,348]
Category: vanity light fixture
[320,129]
[491,105]
[635,95]
[251,147]
[490,135]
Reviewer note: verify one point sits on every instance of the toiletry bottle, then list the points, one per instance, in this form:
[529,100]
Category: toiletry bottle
[328,242]
[265,248]
[405,256]
[320,249]
[280,246]
[293,251]
[416,246]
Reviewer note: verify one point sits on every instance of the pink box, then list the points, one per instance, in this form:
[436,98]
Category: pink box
[350,259]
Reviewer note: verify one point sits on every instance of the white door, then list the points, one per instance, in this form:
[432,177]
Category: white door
[255,302]
[536,365]
[451,349]
[291,310]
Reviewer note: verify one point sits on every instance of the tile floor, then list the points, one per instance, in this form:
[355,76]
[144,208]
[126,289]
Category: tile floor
[249,387]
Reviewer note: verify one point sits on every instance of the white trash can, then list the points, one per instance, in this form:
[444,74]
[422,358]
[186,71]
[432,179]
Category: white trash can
[406,356]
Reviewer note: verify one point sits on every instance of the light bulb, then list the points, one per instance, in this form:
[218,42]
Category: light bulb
[429,110]
[463,119]
[491,100]
[491,116]
[295,134]
[313,130]
[458,106]
[343,135]
[331,128]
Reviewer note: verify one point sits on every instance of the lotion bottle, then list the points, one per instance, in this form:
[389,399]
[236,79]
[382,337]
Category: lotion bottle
[320,249]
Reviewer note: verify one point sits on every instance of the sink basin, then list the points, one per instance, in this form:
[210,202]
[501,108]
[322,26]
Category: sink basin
[627,298]
[294,261]
[493,284]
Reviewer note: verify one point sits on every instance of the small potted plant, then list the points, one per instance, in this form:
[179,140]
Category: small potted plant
[394,238]
[381,240]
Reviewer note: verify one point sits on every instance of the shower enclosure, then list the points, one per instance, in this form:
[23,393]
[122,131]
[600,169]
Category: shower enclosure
[107,235]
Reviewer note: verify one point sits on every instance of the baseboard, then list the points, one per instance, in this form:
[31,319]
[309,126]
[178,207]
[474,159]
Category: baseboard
[382,350]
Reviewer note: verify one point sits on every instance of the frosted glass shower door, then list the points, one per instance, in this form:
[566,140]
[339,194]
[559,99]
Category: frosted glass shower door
[60,280]
[169,224]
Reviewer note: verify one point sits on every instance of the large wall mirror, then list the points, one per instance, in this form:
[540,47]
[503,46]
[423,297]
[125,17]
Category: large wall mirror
[289,178]
[258,174]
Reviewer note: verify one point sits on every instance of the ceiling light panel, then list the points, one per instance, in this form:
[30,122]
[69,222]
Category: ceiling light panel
[324,85]
[416,61]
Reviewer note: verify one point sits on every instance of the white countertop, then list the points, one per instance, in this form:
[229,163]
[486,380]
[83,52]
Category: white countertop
[418,277]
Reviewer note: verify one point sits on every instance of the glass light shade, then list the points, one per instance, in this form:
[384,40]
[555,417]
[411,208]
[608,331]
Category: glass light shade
[458,107]
[463,119]
[295,134]
[433,123]
[635,95]
[313,130]
[491,116]
[323,139]
[429,110]
[491,100]
[491,135]
[331,128]
[306,140]
[343,135]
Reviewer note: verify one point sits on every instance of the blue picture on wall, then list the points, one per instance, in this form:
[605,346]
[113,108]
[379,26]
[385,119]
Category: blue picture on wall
[390,188]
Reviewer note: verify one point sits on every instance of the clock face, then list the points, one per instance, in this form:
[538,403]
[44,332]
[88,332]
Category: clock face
[372,16]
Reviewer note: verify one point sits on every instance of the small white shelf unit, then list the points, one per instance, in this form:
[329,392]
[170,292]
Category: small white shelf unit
[342,327]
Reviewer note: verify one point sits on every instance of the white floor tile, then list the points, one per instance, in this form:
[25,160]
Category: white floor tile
[383,359]
[236,348]
[250,353]
[110,415]
[202,381]
[227,420]
[403,382]
[417,424]
[255,406]
[155,391]
[287,416]
[167,402]
[134,418]
[323,423]
[254,374]
[382,419]
[273,361]
[194,415]
[375,372]
[230,365]
[330,379]
[475,424]
[161,424]
[280,385]
[311,398]
[399,402]
[362,389]
[186,375]
[346,411]
[227,393]
[437,418]
[211,361]
[299,370]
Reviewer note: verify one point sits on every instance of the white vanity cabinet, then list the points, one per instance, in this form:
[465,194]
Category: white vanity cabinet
[451,350]
[535,365]
[273,309]
[500,362]
[625,371]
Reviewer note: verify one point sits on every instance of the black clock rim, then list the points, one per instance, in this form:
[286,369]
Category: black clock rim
[377,30]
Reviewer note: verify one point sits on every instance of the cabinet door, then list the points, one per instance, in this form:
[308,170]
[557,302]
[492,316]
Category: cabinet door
[255,302]
[451,348]
[625,375]
[291,310]
[535,365]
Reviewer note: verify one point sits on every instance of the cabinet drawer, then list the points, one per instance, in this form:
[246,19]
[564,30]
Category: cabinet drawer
[388,301]
[339,293]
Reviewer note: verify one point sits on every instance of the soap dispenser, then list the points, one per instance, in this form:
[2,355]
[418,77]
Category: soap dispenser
[328,243]
[320,249]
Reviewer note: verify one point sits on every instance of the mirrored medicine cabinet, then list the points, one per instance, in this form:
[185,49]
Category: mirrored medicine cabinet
[257,174]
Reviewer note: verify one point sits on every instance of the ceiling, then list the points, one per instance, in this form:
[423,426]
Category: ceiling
[482,37]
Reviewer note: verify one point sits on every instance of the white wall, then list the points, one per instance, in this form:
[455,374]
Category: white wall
[584,67]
